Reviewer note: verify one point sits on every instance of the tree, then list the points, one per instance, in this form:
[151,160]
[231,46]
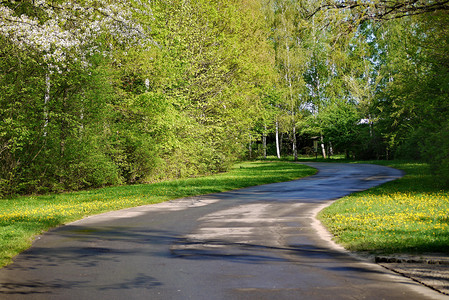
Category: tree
[217,62]
[340,120]
[287,34]
[412,106]
[52,86]
[383,9]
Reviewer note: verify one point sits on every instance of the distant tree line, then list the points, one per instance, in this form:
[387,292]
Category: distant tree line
[366,78]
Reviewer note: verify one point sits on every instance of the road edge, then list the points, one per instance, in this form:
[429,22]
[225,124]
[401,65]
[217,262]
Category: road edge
[367,261]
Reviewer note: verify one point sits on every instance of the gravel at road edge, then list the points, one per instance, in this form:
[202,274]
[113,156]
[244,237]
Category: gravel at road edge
[431,270]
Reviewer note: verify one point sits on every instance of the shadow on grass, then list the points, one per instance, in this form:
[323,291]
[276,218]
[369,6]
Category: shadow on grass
[426,241]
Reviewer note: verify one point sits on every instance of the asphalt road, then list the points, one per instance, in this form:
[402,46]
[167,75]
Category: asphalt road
[254,243]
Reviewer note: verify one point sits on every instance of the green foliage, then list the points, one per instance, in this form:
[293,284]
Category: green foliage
[340,126]
[392,75]
[414,104]
[89,167]
[213,75]
[206,82]
[182,107]
[435,148]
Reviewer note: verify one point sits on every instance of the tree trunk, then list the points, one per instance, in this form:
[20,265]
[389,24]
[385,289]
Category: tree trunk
[81,129]
[295,150]
[46,100]
[278,149]
[147,85]
[264,142]
[323,149]
[250,147]
[371,133]
[63,125]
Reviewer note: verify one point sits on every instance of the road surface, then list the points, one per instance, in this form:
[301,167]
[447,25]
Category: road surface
[255,243]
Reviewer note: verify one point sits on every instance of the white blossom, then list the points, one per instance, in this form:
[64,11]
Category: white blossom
[71,31]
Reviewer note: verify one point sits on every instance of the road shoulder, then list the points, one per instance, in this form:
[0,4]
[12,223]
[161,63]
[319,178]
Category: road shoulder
[428,274]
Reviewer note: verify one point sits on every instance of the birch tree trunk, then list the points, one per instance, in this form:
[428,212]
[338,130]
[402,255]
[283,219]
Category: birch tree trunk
[295,150]
[288,78]
[323,149]
[250,147]
[264,142]
[278,150]
[46,100]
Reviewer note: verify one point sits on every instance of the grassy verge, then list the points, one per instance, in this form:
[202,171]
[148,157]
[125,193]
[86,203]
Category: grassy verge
[23,218]
[409,215]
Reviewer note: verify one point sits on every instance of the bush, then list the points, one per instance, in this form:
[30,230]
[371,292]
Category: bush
[436,151]
[92,169]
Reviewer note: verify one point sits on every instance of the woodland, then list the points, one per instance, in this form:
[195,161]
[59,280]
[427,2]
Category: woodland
[97,92]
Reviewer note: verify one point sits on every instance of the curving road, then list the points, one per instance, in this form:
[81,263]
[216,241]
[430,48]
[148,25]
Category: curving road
[255,243]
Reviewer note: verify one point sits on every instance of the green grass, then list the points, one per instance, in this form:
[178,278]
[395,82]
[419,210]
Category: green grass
[22,218]
[409,215]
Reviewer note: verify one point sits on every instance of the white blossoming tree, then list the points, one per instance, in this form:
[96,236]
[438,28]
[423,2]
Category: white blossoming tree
[51,50]
[72,30]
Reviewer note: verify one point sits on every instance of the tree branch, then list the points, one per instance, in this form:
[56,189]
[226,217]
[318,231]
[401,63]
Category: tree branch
[386,9]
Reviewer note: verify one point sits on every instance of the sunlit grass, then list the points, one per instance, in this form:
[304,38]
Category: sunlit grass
[23,218]
[409,215]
